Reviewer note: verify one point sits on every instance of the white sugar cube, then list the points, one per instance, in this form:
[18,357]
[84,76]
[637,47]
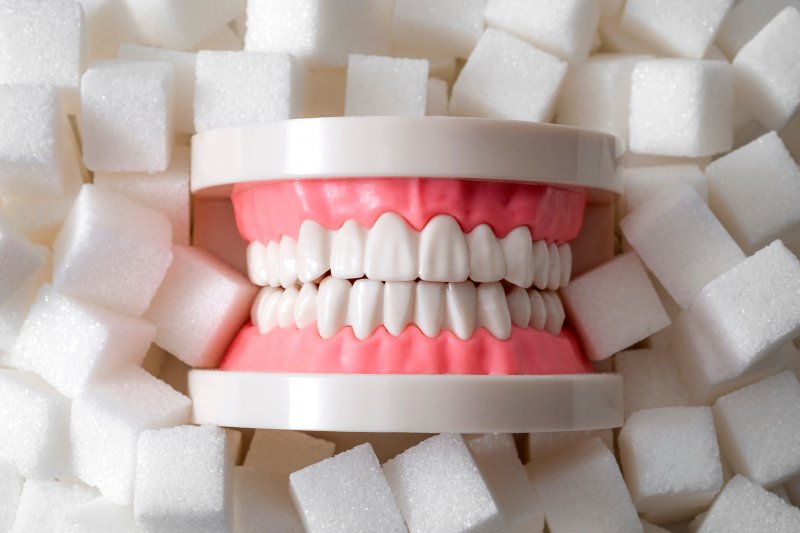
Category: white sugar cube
[652,379]
[112,251]
[166,191]
[10,488]
[347,492]
[759,428]
[582,484]
[386,86]
[755,190]
[562,28]
[235,88]
[283,452]
[541,446]
[261,498]
[446,28]
[496,81]
[439,487]
[100,516]
[681,107]
[436,99]
[768,70]
[127,116]
[184,492]
[40,220]
[671,461]
[324,93]
[594,244]
[744,507]
[20,258]
[38,156]
[43,505]
[745,20]
[199,307]
[106,422]
[681,242]
[318,32]
[642,184]
[614,306]
[14,311]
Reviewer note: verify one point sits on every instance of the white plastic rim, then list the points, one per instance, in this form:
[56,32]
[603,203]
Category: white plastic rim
[432,147]
[406,403]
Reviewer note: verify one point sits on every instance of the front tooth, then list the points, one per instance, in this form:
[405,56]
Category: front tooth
[555,267]
[391,250]
[347,251]
[541,265]
[493,313]
[461,316]
[364,311]
[273,262]
[398,305]
[257,263]
[555,312]
[538,310]
[429,307]
[332,303]
[305,310]
[443,252]
[286,307]
[313,251]
[264,312]
[565,260]
[517,251]
[287,261]
[519,305]
[486,262]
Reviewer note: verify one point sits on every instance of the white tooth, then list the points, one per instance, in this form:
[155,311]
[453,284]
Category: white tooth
[398,305]
[486,262]
[541,264]
[264,312]
[347,251]
[305,310]
[517,251]
[260,300]
[391,250]
[461,316]
[443,252]
[273,262]
[332,303]
[538,310]
[555,267]
[313,251]
[257,263]
[493,313]
[565,260]
[287,261]
[365,309]
[286,307]
[555,312]
[429,307]
[519,305]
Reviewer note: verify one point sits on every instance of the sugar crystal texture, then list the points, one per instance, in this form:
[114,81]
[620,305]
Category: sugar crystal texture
[100,516]
[652,379]
[260,498]
[444,28]
[282,452]
[745,20]
[542,446]
[10,488]
[106,422]
[642,184]
[347,492]
[505,77]
[436,99]
[43,505]
[386,86]
[127,116]
[20,258]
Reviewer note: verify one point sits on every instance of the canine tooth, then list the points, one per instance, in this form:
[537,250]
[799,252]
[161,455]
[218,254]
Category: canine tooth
[555,312]
[273,261]
[517,251]
[538,310]
[347,251]
[305,309]
[365,309]
[541,264]
[519,305]
[332,303]
[486,262]
[264,312]
[398,305]
[429,307]
[391,250]
[565,260]
[443,252]
[287,261]
[555,267]
[313,251]
[493,313]
[286,307]
[257,263]
[461,315]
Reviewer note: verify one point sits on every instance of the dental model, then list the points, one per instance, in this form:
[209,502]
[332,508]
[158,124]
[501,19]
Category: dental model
[413,248]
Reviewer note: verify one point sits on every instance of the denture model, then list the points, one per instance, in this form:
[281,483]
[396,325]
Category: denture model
[408,264]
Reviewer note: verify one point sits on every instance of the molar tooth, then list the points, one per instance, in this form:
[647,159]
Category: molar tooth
[461,316]
[555,312]
[286,307]
[519,305]
[541,264]
[273,262]
[443,252]
[257,263]
[517,251]
[486,262]
[313,251]
[264,313]
[538,310]
[332,303]
[287,255]
[364,311]
[429,307]
[347,251]
[391,250]
[555,267]
[565,260]
[398,305]
[493,313]
[305,310]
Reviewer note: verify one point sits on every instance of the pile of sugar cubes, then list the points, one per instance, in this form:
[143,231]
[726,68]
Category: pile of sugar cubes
[111,287]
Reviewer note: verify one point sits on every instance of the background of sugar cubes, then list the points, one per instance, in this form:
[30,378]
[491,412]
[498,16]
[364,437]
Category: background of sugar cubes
[688,285]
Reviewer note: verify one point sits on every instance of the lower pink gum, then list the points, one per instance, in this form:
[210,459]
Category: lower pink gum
[528,351]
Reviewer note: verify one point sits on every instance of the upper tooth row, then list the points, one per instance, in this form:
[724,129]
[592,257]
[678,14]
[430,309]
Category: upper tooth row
[366,304]
[393,251]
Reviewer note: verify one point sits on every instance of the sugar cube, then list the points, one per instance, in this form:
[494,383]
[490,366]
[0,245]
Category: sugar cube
[642,184]
[10,487]
[347,492]
[445,28]
[106,422]
[261,498]
[436,99]
[681,107]
[39,221]
[614,306]
[542,446]
[43,505]
[652,379]
[127,116]
[20,258]
[386,86]
[745,20]
[15,309]
[283,452]
[100,516]
[497,80]
[594,244]
[744,507]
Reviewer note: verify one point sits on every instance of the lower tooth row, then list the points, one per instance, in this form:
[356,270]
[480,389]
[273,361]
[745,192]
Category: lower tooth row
[366,304]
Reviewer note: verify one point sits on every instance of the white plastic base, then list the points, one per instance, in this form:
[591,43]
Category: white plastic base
[406,403]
